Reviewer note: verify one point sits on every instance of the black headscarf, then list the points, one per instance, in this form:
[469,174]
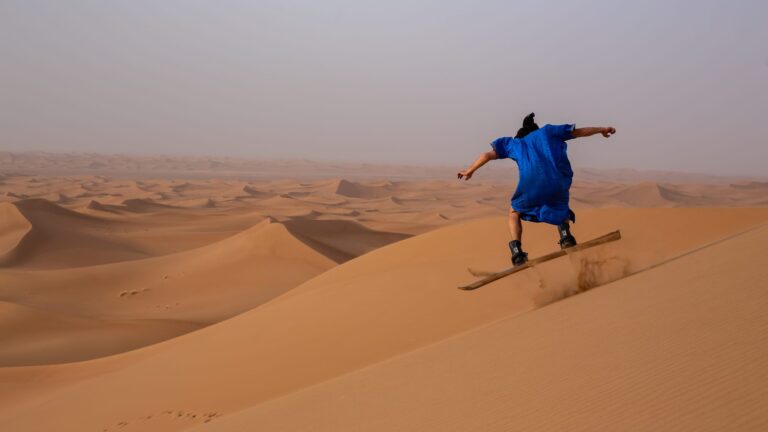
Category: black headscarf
[528,126]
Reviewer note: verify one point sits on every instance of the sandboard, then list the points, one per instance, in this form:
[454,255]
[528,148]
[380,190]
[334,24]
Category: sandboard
[607,238]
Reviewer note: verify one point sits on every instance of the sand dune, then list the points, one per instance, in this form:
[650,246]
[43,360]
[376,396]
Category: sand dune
[602,361]
[167,270]
[14,226]
[36,337]
[390,301]
[751,185]
[338,239]
[652,194]
[143,205]
[328,302]
[257,193]
[358,190]
[223,268]
[178,292]
[60,238]
[643,195]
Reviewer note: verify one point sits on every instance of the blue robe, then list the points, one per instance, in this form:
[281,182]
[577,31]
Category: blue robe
[545,173]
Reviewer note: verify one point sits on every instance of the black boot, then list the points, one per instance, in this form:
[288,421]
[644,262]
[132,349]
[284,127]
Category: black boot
[518,256]
[566,238]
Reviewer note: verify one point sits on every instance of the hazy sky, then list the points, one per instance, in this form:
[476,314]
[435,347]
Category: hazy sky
[424,81]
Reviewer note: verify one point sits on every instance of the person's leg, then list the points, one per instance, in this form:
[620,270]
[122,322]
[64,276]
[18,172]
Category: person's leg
[515,225]
[515,246]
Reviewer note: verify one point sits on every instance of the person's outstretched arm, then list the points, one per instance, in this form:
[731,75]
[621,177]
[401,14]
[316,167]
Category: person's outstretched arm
[480,161]
[589,131]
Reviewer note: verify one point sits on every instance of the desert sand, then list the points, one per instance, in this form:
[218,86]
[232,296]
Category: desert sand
[167,294]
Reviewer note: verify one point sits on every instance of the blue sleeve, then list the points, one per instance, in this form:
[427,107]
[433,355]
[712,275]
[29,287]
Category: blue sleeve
[506,147]
[562,132]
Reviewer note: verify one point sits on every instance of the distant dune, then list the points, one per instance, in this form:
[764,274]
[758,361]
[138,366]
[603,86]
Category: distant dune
[204,167]
[59,237]
[339,240]
[358,190]
[13,227]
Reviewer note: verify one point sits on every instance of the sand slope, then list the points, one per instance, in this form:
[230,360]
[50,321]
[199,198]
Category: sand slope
[339,240]
[61,238]
[37,337]
[682,346]
[13,227]
[192,288]
[396,299]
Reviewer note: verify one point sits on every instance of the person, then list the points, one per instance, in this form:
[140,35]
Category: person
[542,192]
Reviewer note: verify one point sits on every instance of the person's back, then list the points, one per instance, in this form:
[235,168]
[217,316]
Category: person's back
[542,193]
[545,172]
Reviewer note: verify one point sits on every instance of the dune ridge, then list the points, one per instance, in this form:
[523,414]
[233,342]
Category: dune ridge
[339,240]
[14,226]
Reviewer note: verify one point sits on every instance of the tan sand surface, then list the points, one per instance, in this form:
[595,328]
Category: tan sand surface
[679,347]
[220,294]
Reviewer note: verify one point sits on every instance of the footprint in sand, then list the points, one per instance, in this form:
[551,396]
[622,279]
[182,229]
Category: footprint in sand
[132,292]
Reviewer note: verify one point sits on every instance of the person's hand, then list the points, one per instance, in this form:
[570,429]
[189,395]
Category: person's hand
[466,174]
[608,131]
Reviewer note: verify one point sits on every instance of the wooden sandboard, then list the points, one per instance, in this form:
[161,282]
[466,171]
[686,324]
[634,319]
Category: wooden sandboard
[607,238]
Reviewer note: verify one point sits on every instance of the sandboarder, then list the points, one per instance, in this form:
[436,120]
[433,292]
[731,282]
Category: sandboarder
[545,178]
